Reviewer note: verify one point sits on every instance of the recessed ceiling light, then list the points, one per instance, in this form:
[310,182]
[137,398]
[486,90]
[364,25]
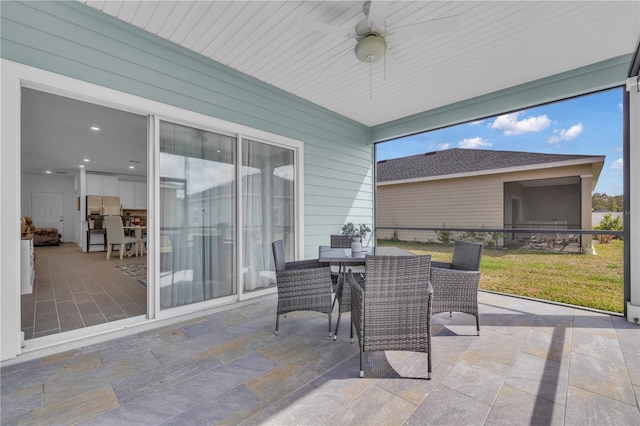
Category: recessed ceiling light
[86,160]
[48,172]
[95,128]
[131,167]
[81,166]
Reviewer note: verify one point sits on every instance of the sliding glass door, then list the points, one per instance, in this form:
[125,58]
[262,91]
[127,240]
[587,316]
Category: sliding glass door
[197,215]
[268,213]
[217,190]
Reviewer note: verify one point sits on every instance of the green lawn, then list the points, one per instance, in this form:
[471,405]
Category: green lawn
[577,279]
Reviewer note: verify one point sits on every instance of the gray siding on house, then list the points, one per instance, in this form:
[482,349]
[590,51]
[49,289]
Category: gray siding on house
[72,39]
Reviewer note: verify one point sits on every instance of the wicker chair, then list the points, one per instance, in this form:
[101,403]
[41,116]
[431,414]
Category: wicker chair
[392,311]
[455,284]
[303,285]
[341,241]
[343,298]
[343,293]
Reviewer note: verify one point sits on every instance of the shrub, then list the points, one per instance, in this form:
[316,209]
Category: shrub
[444,236]
[609,222]
[473,236]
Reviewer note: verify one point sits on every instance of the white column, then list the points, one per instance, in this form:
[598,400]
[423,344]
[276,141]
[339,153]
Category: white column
[10,346]
[633,306]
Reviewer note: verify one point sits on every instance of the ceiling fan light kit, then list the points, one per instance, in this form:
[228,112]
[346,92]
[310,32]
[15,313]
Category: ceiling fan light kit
[371,48]
[372,34]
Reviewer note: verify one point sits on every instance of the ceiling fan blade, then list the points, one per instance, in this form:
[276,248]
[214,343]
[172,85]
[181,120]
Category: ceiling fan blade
[392,66]
[426,28]
[377,15]
[322,28]
[332,66]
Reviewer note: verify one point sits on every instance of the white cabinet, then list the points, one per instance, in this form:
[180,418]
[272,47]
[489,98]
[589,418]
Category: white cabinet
[27,266]
[102,185]
[127,194]
[141,195]
[133,195]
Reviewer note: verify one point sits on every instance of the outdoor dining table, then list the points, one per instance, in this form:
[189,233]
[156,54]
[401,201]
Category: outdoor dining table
[345,257]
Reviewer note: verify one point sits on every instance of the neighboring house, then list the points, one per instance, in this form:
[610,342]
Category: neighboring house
[470,188]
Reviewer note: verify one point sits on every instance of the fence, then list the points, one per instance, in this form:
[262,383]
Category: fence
[556,238]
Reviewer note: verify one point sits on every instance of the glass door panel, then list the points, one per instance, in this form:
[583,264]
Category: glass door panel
[268,209]
[197,215]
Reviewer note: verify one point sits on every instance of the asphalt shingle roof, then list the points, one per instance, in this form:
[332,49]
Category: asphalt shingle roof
[458,160]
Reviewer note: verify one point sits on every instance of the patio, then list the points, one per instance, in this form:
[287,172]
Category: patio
[534,363]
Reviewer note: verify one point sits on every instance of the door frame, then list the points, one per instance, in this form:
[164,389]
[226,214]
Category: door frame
[14,77]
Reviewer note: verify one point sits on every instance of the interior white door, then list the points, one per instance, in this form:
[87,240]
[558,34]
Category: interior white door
[47,210]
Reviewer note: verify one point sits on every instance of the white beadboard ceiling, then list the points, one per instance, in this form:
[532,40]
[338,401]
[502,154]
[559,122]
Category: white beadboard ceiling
[497,44]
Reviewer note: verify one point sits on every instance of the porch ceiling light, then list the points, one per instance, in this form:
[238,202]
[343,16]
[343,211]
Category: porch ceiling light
[371,48]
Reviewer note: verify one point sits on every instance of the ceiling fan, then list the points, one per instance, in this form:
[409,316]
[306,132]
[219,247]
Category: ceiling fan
[372,33]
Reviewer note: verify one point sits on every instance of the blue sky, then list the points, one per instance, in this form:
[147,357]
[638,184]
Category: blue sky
[586,125]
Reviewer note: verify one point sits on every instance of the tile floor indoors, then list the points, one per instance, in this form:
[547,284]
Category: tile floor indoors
[534,363]
[73,290]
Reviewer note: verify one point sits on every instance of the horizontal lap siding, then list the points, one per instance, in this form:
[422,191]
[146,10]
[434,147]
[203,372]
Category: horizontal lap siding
[471,202]
[75,40]
[466,202]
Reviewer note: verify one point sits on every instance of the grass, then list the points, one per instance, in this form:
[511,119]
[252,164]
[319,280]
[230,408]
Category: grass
[577,279]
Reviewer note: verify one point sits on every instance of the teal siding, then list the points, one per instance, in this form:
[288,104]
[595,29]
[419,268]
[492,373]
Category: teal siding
[75,40]
[599,76]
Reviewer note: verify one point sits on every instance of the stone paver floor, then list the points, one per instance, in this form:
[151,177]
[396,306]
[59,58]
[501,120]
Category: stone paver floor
[534,363]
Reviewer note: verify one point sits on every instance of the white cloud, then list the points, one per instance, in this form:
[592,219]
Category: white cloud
[617,164]
[620,107]
[474,143]
[475,123]
[510,125]
[442,146]
[566,134]
[618,149]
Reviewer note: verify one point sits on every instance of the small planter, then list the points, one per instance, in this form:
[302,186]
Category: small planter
[356,245]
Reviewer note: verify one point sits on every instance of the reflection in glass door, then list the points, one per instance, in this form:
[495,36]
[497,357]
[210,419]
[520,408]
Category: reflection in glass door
[197,215]
[268,209]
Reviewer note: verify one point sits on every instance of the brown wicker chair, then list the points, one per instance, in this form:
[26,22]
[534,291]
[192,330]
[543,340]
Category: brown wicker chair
[303,285]
[455,284]
[392,311]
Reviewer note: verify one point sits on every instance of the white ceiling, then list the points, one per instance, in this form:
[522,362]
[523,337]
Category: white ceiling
[56,136]
[496,44]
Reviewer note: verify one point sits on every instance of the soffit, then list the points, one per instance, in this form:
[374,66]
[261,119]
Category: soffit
[497,44]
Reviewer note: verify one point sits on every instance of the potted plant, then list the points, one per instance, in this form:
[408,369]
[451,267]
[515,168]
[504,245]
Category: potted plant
[349,229]
[363,229]
[357,234]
